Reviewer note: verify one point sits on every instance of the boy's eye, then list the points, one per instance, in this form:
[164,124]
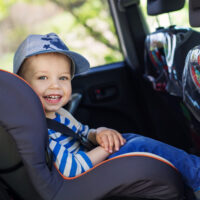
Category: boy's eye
[42,77]
[64,78]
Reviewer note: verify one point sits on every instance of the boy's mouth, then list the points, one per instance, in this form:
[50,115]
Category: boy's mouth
[53,98]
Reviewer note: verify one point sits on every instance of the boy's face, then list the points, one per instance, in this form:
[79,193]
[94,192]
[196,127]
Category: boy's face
[49,75]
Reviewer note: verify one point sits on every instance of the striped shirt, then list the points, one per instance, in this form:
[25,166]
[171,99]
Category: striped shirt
[69,155]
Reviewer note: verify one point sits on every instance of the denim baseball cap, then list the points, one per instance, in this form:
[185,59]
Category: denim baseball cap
[38,44]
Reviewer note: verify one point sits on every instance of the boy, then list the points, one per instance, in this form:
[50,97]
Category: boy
[46,63]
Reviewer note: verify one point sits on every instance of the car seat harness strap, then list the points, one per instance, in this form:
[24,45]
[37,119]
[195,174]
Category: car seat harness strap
[56,126]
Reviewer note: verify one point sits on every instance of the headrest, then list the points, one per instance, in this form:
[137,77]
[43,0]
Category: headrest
[194,13]
[191,82]
[156,7]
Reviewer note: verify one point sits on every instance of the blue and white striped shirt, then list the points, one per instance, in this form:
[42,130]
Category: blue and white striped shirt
[69,155]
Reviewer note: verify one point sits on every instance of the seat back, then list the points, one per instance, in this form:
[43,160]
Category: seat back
[163,71]
[156,70]
[23,123]
[165,54]
[12,170]
[166,48]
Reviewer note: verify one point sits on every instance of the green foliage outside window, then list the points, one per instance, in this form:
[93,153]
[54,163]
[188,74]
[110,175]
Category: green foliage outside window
[85,25]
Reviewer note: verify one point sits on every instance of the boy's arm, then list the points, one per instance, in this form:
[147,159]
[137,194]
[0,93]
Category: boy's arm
[109,139]
[97,155]
[69,164]
[92,136]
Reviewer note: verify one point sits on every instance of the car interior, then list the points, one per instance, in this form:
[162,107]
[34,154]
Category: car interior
[143,94]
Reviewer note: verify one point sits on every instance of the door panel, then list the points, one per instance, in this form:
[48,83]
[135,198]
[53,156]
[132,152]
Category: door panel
[117,97]
[108,98]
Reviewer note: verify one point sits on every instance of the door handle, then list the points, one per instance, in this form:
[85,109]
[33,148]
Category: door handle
[103,93]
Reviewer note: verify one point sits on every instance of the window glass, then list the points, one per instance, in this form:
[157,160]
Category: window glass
[85,26]
[179,18]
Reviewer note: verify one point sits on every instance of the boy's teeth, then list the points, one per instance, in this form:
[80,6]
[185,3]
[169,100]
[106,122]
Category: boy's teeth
[53,97]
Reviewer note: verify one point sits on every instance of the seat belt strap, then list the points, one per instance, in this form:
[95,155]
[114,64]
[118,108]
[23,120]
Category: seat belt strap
[58,127]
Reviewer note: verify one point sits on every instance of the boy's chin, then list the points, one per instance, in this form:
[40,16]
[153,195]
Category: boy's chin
[50,115]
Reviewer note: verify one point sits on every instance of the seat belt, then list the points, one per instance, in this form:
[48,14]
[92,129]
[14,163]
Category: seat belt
[58,127]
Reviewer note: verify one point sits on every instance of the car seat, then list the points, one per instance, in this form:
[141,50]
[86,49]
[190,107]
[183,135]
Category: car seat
[27,171]
[166,48]
[160,45]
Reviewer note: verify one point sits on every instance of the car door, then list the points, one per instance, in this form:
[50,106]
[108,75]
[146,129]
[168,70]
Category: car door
[116,95]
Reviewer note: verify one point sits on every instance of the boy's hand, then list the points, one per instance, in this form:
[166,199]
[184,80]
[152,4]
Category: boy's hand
[110,139]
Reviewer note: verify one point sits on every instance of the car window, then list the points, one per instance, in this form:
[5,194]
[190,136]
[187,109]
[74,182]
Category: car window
[85,26]
[165,20]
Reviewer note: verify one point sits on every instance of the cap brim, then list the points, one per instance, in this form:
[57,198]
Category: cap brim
[80,64]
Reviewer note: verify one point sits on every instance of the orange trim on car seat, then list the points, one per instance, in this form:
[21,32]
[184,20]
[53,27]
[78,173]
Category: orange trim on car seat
[135,154]
[25,82]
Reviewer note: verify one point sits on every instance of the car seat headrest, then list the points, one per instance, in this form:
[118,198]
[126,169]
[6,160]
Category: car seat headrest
[194,13]
[156,7]
[191,82]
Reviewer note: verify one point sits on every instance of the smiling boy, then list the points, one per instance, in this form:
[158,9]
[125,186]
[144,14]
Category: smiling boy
[48,66]
[49,75]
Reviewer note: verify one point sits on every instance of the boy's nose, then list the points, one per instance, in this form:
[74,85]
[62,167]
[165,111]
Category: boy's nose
[54,84]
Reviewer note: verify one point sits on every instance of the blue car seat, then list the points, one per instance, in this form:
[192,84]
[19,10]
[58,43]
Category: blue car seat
[27,171]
